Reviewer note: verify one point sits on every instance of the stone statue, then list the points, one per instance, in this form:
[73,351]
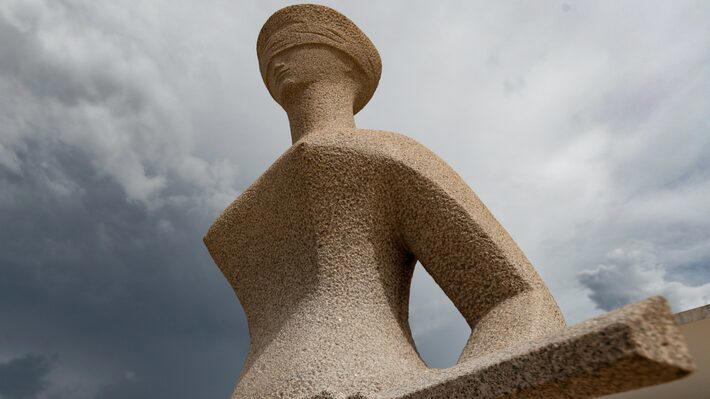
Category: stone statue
[321,248]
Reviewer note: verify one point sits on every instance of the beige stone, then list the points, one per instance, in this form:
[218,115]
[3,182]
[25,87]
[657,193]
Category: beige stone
[694,324]
[632,347]
[321,248]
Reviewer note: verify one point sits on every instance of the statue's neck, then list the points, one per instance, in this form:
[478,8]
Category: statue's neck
[320,107]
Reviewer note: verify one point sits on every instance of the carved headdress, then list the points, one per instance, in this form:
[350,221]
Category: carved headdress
[315,24]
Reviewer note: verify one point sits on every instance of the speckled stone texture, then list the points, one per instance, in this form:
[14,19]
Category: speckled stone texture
[321,248]
[632,347]
[312,24]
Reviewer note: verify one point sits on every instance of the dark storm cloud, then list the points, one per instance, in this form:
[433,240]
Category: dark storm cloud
[110,287]
[102,269]
[24,377]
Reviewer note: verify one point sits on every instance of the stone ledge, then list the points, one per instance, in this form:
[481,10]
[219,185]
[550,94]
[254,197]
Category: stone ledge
[689,316]
[632,347]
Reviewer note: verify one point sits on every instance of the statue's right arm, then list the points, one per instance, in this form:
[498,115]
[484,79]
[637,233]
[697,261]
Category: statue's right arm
[473,259]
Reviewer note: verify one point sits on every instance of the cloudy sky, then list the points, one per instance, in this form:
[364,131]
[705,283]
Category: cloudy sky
[126,127]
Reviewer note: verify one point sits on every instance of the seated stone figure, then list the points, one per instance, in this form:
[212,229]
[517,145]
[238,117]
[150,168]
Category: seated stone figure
[321,248]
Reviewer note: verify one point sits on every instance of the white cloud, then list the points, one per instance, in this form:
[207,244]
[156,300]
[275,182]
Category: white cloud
[633,273]
[93,77]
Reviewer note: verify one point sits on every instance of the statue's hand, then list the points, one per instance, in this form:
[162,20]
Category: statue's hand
[524,317]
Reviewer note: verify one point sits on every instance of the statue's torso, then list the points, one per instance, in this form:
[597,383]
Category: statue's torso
[313,252]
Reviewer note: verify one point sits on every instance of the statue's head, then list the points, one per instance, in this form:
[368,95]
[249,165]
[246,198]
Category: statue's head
[296,68]
[302,44]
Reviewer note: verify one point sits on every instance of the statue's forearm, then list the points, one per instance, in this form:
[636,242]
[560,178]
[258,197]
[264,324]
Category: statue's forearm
[470,256]
[524,317]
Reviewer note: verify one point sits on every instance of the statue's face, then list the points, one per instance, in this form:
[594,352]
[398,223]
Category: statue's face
[297,67]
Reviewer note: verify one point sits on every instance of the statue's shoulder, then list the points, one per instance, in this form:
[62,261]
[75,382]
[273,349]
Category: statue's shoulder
[393,146]
[405,157]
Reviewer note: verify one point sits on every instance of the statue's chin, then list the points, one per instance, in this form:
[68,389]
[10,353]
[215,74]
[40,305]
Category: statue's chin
[290,88]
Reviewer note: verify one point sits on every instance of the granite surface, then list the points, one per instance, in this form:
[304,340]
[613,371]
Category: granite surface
[320,251]
[633,347]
